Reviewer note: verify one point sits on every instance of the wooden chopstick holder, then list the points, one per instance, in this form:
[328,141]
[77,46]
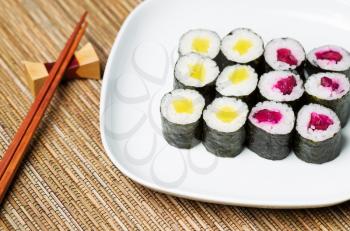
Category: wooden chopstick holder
[84,64]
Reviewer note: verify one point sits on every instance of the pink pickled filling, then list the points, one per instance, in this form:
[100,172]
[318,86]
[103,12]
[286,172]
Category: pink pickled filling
[286,85]
[328,82]
[268,116]
[319,121]
[329,55]
[285,55]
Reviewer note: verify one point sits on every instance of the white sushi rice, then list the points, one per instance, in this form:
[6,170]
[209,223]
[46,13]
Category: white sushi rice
[303,121]
[243,88]
[270,92]
[293,45]
[168,111]
[313,86]
[284,126]
[210,118]
[183,70]
[229,41]
[342,65]
[186,42]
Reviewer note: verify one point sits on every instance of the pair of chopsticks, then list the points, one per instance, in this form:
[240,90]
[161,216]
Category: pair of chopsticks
[14,154]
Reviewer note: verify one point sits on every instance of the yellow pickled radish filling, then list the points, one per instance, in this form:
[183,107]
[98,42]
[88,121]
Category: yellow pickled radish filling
[197,71]
[238,75]
[183,106]
[226,114]
[200,45]
[242,46]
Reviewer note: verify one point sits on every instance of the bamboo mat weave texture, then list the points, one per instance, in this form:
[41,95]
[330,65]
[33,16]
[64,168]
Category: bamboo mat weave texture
[67,181]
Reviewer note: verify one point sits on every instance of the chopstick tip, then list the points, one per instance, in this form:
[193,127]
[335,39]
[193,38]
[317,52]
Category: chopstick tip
[85,14]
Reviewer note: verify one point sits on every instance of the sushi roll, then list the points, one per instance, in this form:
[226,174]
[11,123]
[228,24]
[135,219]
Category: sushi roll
[284,54]
[238,81]
[330,90]
[224,131]
[282,86]
[242,46]
[194,71]
[318,136]
[328,58]
[270,126]
[181,112]
[203,42]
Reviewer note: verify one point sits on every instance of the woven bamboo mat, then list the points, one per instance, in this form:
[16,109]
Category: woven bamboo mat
[67,181]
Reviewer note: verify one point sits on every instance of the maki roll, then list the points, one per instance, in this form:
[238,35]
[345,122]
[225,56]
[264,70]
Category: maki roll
[330,90]
[328,58]
[238,81]
[282,86]
[181,112]
[270,126]
[203,42]
[318,136]
[284,54]
[242,46]
[224,132]
[194,71]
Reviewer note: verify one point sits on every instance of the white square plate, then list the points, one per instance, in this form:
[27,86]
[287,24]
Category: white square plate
[140,70]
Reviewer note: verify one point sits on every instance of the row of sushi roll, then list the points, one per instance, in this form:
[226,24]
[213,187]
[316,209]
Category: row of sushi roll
[235,92]
[244,46]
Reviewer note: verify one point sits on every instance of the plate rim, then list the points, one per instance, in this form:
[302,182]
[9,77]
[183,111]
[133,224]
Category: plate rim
[176,192]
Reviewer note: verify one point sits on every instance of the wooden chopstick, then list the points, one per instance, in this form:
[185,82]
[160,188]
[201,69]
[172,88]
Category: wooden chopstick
[10,171]
[27,120]
[15,153]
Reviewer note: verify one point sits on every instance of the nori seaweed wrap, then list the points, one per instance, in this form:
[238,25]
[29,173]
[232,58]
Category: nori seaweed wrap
[284,54]
[182,136]
[181,112]
[242,46]
[282,86]
[238,81]
[330,90]
[328,58]
[200,41]
[207,91]
[318,136]
[197,72]
[269,132]
[224,132]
